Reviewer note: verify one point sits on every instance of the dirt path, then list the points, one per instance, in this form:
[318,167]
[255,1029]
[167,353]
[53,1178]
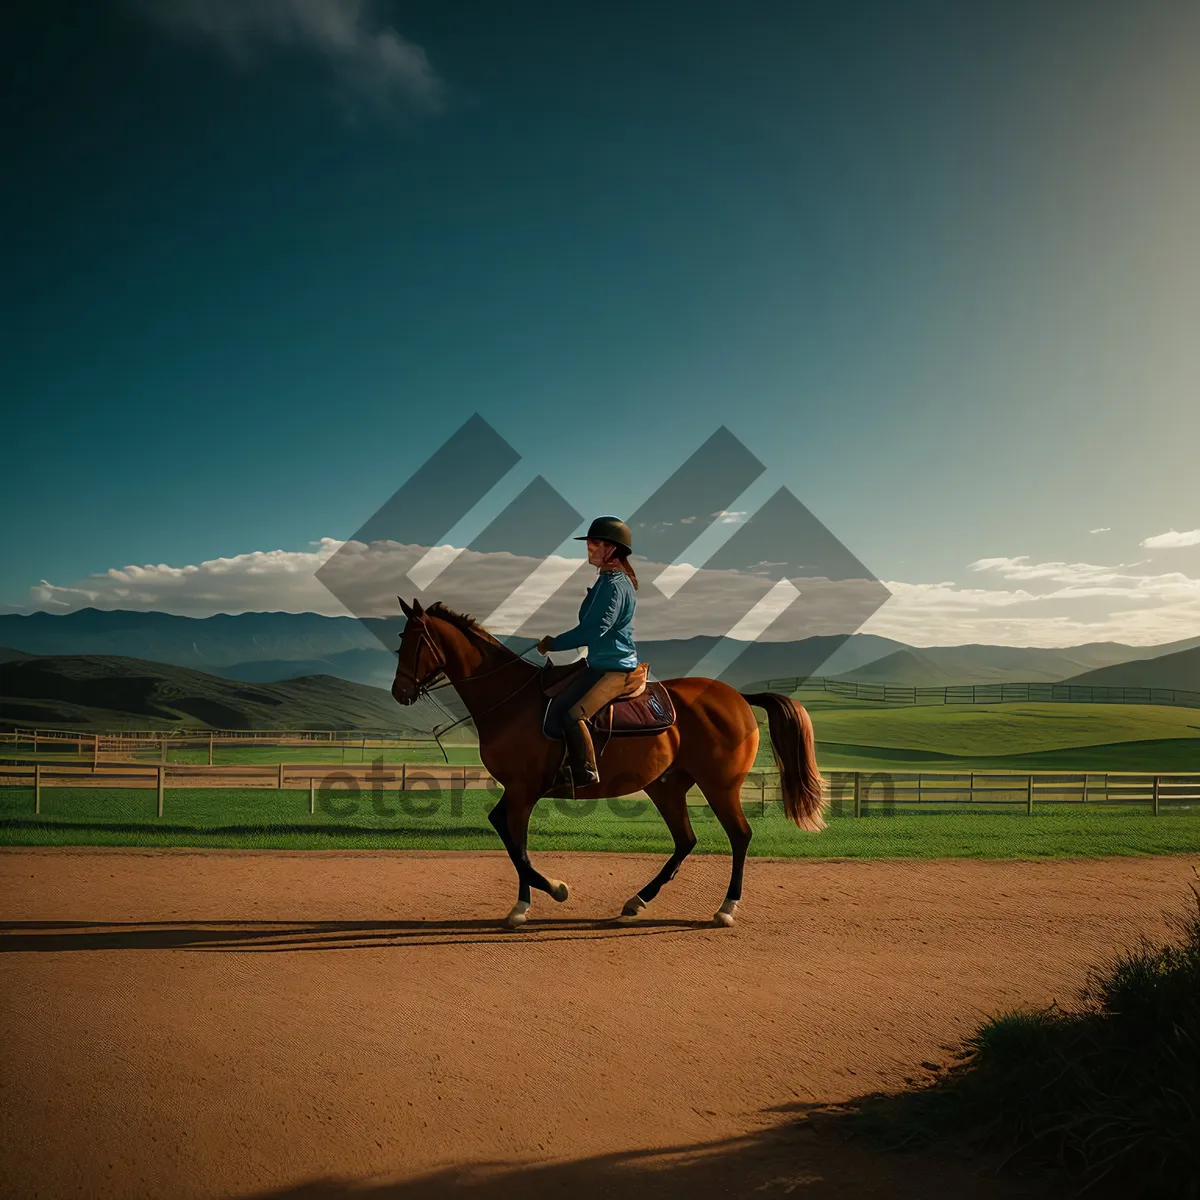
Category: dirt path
[325,1024]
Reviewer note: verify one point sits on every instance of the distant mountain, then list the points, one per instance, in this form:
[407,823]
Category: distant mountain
[109,692]
[1180,670]
[199,642]
[910,667]
[759,661]
[938,666]
[273,647]
[7,654]
[267,647]
[375,668]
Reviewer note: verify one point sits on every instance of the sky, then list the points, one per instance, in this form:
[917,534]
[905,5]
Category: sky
[935,266]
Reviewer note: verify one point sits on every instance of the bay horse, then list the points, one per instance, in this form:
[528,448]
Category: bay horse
[712,744]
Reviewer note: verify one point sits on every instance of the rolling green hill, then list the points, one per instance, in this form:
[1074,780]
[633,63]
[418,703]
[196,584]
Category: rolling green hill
[939,666]
[1180,670]
[1066,737]
[90,691]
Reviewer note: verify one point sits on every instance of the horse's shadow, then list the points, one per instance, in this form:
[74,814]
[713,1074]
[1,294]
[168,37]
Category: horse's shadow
[276,936]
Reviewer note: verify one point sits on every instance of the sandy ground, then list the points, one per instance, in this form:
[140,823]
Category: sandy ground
[327,1024]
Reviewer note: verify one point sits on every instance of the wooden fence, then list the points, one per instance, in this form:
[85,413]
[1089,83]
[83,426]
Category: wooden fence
[128,744]
[314,777]
[851,793]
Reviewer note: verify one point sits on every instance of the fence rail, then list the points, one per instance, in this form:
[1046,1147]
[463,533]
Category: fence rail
[983,693]
[851,793]
[119,744]
[238,736]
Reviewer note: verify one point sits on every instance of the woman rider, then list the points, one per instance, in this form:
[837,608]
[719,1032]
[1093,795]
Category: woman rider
[606,628]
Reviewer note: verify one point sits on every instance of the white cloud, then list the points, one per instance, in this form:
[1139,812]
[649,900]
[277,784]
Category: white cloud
[1102,529]
[370,60]
[1030,604]
[259,581]
[1051,604]
[1171,540]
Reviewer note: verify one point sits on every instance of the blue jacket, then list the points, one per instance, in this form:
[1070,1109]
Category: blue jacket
[605,624]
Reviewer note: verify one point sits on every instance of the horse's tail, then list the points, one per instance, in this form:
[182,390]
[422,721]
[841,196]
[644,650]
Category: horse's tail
[795,748]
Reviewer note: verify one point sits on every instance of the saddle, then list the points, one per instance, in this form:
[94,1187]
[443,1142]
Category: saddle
[639,707]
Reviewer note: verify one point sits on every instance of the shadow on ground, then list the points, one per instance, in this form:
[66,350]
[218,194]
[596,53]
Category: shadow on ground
[810,1157]
[265,936]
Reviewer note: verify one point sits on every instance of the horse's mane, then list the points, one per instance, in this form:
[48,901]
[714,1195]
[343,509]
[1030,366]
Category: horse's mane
[462,621]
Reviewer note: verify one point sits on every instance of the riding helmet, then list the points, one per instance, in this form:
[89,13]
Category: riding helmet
[610,529]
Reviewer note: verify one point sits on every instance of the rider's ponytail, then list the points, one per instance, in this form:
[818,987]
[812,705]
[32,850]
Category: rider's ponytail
[623,559]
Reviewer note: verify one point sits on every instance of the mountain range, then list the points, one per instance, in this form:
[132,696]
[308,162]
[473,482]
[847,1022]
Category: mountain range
[277,647]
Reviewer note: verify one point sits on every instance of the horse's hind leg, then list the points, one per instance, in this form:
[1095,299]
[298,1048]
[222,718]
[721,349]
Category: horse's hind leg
[726,802]
[669,793]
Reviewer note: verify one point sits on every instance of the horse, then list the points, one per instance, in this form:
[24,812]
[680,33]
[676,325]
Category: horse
[712,744]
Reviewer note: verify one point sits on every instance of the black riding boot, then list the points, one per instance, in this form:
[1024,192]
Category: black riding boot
[580,753]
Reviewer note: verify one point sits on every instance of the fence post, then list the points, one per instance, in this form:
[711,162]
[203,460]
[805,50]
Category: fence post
[161,779]
[762,795]
[857,794]
[95,751]
[971,791]
[403,776]
[1029,796]
[210,744]
[312,795]
[37,787]
[1156,779]
[279,785]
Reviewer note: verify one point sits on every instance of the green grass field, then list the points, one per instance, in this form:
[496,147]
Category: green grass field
[1047,737]
[262,818]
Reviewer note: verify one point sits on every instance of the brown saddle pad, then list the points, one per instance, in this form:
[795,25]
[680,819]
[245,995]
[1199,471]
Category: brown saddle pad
[651,711]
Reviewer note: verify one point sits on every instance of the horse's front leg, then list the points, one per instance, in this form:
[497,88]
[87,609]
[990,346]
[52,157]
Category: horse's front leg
[510,819]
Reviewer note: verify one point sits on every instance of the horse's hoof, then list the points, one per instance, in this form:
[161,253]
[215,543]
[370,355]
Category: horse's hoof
[559,890]
[632,912]
[518,916]
[725,914]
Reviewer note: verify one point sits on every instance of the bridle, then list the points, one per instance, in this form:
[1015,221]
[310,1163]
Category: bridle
[423,686]
[428,682]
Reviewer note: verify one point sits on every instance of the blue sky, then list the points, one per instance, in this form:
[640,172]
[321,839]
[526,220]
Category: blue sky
[936,265]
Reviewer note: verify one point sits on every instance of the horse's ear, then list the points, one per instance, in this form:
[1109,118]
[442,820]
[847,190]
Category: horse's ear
[404,608]
[418,611]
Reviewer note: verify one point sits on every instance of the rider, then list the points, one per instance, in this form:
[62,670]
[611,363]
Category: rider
[606,629]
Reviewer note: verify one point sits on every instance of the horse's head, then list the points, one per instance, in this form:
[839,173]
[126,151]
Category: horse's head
[420,659]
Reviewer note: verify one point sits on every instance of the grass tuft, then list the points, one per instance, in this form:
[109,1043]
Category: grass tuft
[1106,1093]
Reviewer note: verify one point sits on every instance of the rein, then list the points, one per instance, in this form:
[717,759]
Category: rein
[427,684]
